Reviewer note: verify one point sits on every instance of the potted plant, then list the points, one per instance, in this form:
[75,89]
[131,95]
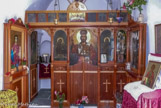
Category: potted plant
[60,98]
[133,4]
[82,102]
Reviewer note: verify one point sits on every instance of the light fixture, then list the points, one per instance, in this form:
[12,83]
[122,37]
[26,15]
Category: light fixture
[55,21]
[56,7]
[110,20]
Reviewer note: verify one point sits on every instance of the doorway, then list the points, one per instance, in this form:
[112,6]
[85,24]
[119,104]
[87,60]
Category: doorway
[39,55]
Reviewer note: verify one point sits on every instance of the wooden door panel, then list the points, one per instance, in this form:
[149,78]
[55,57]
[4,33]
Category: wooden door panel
[106,86]
[17,86]
[76,87]
[60,83]
[120,81]
[33,81]
[90,87]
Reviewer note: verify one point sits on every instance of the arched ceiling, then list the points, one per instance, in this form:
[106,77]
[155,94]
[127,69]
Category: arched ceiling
[91,4]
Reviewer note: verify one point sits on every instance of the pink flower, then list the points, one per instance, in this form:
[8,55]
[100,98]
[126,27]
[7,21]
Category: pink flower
[84,98]
[78,102]
[131,2]
[124,7]
[55,92]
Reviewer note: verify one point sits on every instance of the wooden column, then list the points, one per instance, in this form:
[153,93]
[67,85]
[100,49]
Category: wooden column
[52,67]
[140,49]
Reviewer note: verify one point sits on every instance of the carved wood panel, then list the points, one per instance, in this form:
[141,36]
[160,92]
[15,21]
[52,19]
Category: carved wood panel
[60,68]
[17,86]
[120,81]
[107,68]
[76,87]
[121,68]
[60,83]
[106,86]
[90,87]
[33,81]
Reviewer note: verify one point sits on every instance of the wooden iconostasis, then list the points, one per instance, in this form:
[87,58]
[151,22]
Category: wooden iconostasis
[88,57]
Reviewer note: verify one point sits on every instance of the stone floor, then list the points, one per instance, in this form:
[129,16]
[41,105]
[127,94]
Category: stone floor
[43,98]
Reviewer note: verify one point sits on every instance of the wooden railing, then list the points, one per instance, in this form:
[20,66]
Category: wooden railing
[89,17]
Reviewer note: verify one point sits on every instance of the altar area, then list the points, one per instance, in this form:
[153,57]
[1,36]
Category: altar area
[88,52]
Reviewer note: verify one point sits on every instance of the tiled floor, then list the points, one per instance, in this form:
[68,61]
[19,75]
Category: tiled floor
[43,98]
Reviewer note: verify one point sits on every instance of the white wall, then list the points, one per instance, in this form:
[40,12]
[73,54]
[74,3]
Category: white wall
[154,17]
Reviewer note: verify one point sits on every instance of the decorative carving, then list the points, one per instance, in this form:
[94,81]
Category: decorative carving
[107,68]
[106,84]
[76,6]
[18,21]
[121,85]
[60,68]
[46,70]
[120,68]
[60,83]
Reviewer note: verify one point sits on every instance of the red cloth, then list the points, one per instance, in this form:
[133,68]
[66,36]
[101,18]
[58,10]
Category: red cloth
[153,54]
[128,101]
[43,72]
[145,100]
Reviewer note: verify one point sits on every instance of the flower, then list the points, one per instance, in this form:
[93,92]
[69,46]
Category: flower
[8,73]
[12,20]
[60,96]
[24,61]
[133,4]
[84,100]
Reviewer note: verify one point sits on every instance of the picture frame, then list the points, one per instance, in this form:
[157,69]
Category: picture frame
[158,39]
[103,58]
[60,43]
[15,43]
[151,73]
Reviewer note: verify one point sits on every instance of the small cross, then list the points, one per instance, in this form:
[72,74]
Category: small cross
[46,70]
[16,89]
[106,83]
[121,84]
[60,85]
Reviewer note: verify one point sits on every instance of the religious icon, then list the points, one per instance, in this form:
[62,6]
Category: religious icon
[151,73]
[103,58]
[77,17]
[121,46]
[34,47]
[60,46]
[134,49]
[15,49]
[107,43]
[83,50]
